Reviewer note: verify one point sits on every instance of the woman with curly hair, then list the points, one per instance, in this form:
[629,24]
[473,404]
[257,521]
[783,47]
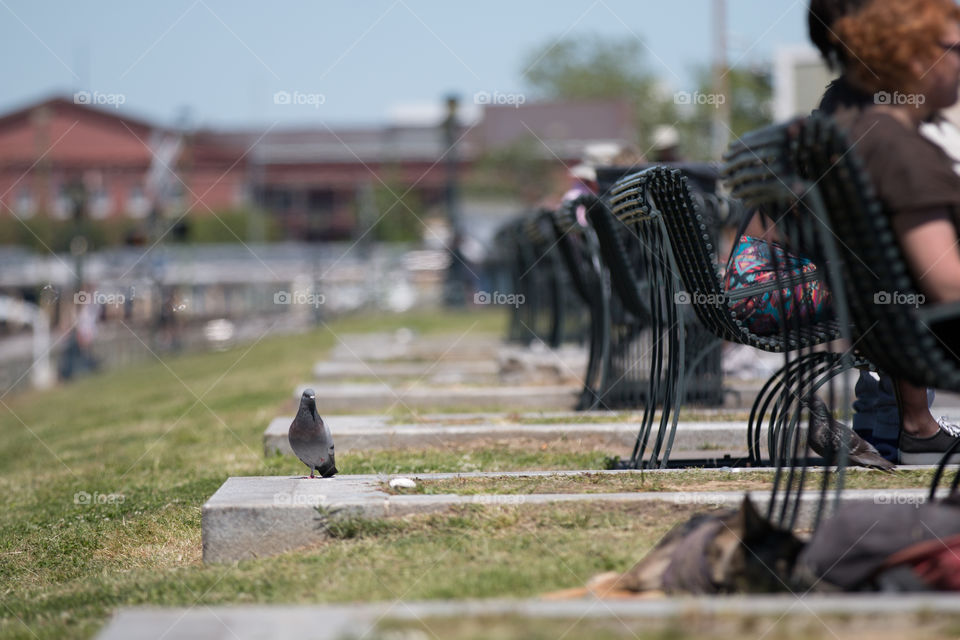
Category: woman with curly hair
[752,260]
[905,56]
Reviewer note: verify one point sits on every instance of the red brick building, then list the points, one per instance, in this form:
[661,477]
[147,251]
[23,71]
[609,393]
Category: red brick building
[310,179]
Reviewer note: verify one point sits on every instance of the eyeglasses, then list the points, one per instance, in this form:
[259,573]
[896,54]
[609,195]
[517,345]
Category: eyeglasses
[950,46]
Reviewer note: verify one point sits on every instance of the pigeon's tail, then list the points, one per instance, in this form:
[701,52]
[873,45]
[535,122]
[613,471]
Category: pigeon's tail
[874,461]
[827,434]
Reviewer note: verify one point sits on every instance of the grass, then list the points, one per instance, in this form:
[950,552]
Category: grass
[102,480]
[686,480]
[102,483]
[403,416]
[474,552]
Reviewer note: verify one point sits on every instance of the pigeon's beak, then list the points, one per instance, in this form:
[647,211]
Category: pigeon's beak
[312,397]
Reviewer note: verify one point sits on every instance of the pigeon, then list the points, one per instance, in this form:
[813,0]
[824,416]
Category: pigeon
[825,435]
[310,439]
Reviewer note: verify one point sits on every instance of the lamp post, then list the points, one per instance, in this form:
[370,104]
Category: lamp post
[454,294]
[451,130]
[75,360]
[721,80]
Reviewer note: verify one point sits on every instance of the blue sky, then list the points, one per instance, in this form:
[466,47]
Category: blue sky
[344,62]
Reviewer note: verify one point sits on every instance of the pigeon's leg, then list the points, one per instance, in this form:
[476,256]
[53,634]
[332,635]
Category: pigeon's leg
[311,470]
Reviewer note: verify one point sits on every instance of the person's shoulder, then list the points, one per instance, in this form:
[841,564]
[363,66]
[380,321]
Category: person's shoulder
[908,170]
[873,130]
[874,123]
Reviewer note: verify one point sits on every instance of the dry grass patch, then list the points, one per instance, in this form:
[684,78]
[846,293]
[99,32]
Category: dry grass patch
[686,480]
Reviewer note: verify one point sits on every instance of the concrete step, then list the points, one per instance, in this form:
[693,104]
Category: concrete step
[403,345]
[348,397]
[332,622]
[260,516]
[368,433]
[472,371]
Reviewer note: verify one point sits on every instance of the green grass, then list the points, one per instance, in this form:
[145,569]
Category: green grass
[149,445]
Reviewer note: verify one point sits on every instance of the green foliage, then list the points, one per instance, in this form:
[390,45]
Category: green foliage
[247,225]
[398,212]
[588,68]
[599,67]
[42,233]
[523,170]
[596,67]
[751,93]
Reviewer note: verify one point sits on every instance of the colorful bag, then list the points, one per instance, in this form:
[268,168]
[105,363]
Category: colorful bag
[762,279]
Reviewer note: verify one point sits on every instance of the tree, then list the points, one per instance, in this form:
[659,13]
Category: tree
[399,211]
[751,93]
[598,67]
[601,67]
[519,170]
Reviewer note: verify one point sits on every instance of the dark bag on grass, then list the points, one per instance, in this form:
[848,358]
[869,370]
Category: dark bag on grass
[898,547]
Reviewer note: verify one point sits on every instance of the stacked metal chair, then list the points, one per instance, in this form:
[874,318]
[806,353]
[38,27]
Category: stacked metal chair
[551,311]
[647,364]
[637,272]
[578,248]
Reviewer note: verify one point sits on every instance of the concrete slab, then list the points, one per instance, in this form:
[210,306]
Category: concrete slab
[449,372]
[260,516]
[354,433]
[333,622]
[405,345]
[379,395]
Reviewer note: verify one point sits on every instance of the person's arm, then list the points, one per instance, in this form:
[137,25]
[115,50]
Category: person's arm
[931,247]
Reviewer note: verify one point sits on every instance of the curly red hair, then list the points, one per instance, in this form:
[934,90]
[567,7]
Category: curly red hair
[884,38]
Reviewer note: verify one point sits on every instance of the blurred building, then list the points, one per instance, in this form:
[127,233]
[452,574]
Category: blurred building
[313,180]
[799,79]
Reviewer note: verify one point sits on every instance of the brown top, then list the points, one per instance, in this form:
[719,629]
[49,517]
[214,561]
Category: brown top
[908,171]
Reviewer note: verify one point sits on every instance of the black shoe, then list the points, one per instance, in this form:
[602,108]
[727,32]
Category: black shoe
[914,450]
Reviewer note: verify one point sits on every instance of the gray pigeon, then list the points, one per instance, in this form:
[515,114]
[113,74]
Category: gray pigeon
[825,435]
[310,439]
